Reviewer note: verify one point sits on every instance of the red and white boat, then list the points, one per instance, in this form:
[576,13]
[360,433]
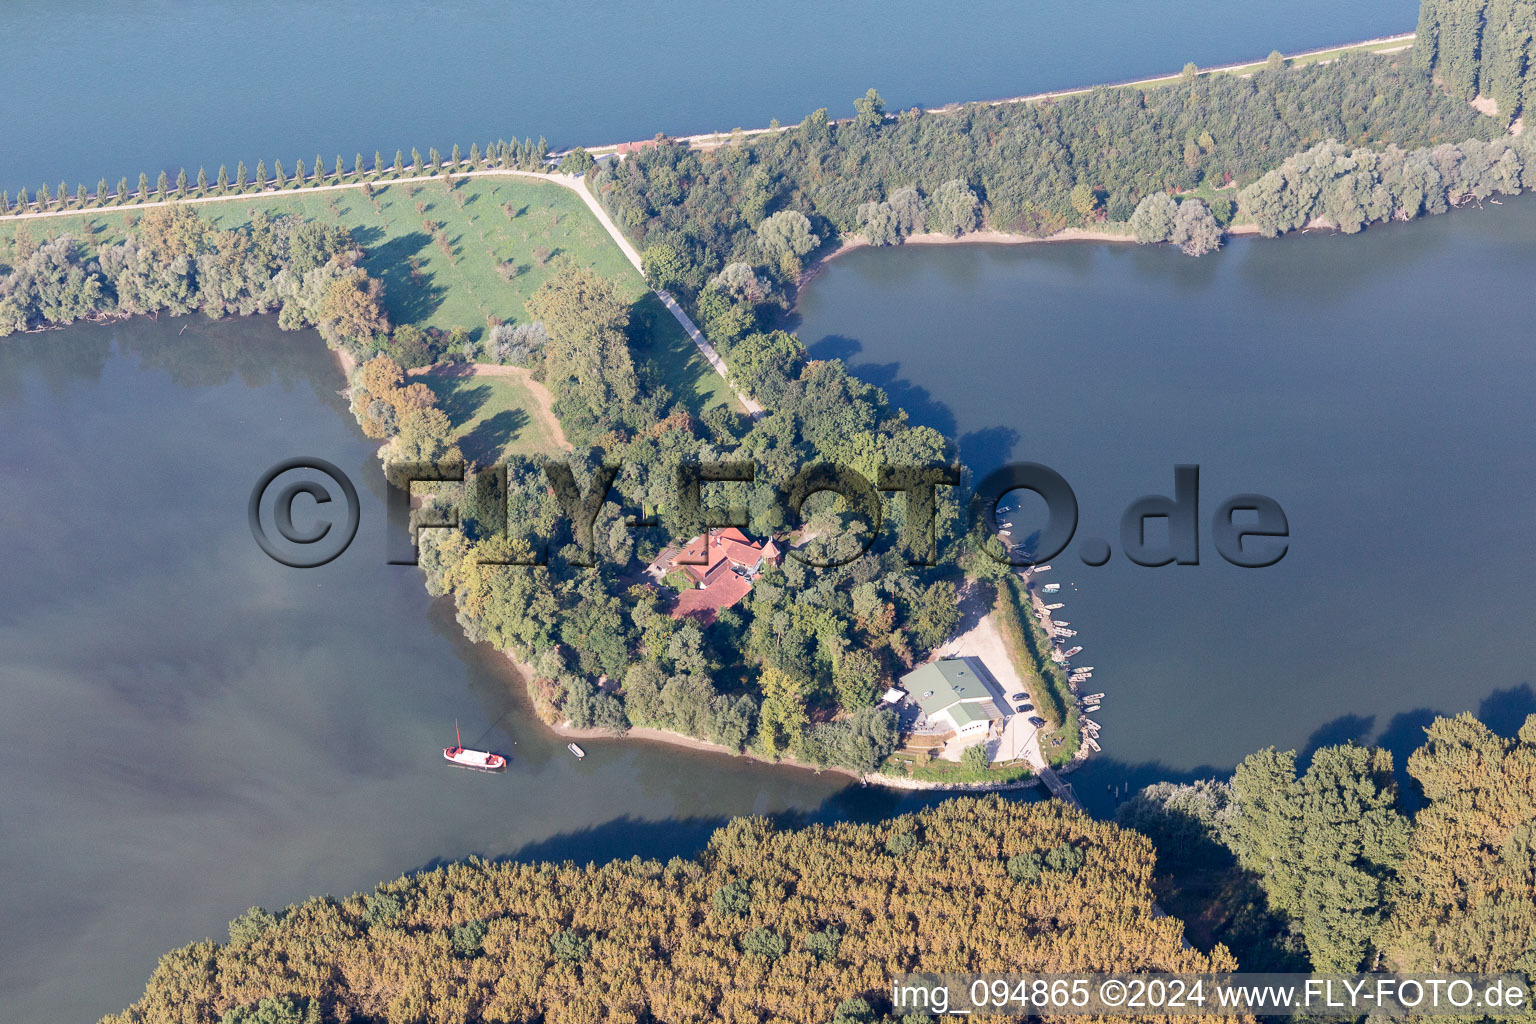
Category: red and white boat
[479,760]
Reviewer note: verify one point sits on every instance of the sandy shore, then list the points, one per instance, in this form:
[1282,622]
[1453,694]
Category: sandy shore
[990,237]
[677,739]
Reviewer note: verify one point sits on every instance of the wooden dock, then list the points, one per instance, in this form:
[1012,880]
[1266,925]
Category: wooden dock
[1058,789]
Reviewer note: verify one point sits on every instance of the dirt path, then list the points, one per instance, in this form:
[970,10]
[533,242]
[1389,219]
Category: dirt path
[543,408]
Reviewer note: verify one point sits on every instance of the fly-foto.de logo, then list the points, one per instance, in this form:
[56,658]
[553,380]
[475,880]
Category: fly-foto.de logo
[1247,530]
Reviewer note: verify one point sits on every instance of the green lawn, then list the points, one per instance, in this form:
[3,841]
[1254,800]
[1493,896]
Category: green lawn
[493,417]
[680,367]
[485,222]
[923,769]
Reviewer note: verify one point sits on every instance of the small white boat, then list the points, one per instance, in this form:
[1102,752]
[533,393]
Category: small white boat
[1074,652]
[1065,632]
[1091,708]
[1093,697]
[1053,607]
[1092,745]
[1062,622]
[1043,568]
[573,748]
[1088,723]
[475,760]
[1050,588]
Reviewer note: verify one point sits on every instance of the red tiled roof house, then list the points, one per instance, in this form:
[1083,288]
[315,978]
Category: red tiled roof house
[721,564]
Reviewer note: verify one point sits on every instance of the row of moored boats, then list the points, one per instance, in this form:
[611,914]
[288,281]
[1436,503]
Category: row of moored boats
[1061,654]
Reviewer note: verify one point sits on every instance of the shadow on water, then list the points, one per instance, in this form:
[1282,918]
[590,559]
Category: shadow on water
[627,836]
[1503,711]
[985,449]
[920,405]
[1356,729]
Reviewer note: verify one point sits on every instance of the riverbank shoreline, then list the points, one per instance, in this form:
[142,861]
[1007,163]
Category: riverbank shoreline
[667,737]
[991,236]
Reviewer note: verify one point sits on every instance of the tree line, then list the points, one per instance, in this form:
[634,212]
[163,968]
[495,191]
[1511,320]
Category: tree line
[765,924]
[1351,188]
[1029,168]
[174,261]
[1325,868]
[528,155]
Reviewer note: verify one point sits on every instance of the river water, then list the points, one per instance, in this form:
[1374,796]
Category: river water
[1379,387]
[188,728]
[101,89]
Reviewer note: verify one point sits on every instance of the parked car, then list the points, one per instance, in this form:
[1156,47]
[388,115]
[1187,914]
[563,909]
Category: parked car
[1024,707]
[1037,722]
[1020,696]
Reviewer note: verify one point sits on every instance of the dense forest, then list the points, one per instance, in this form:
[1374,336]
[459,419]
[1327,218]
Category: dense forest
[1277,869]
[176,262]
[1348,189]
[1325,869]
[1481,47]
[1031,168]
[792,670]
[807,925]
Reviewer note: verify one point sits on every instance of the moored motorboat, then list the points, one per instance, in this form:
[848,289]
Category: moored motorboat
[573,748]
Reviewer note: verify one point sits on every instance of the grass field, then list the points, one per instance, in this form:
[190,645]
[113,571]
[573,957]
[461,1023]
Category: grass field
[915,766]
[440,253]
[494,417]
[484,222]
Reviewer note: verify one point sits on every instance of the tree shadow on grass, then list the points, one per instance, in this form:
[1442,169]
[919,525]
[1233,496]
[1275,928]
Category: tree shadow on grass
[667,356]
[459,401]
[483,445]
[367,235]
[411,299]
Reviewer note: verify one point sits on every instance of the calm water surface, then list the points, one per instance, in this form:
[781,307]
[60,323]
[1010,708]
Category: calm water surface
[1379,387]
[103,89]
[188,728]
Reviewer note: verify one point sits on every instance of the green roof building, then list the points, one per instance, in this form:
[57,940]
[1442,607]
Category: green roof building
[951,691]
